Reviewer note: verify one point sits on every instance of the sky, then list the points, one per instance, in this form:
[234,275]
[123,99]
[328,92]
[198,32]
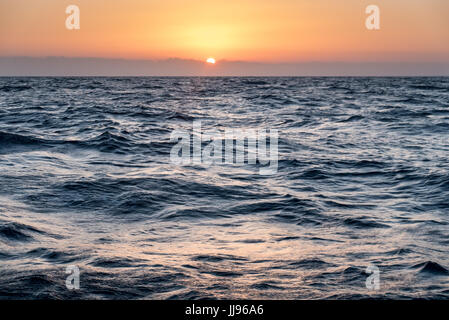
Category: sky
[252,31]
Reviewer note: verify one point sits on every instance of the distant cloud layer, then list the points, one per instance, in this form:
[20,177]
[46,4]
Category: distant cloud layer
[61,66]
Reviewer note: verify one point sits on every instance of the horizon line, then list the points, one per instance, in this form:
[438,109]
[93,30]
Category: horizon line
[116,67]
[224,60]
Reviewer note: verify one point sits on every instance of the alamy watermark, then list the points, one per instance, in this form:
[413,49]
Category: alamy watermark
[372,22]
[233,146]
[73,20]
[72,282]
[373,281]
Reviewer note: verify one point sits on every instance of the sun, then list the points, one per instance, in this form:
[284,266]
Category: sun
[210,60]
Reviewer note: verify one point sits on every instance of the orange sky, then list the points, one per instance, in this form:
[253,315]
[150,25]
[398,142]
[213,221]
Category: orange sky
[250,30]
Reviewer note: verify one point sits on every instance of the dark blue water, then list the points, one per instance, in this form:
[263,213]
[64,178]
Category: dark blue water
[86,180]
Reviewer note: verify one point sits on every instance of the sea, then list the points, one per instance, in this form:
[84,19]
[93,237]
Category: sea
[358,206]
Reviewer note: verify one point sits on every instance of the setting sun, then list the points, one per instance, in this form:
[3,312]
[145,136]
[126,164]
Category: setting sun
[210,60]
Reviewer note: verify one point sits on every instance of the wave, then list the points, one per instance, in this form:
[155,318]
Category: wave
[17,232]
[430,267]
[18,88]
[17,139]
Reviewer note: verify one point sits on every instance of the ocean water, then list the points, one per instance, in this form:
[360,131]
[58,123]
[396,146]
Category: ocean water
[86,180]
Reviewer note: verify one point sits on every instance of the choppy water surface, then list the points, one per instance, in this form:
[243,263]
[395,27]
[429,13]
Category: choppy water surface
[86,180]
